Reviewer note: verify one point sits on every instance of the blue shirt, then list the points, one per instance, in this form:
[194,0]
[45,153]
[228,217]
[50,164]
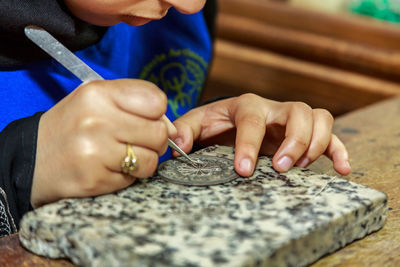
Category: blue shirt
[174,53]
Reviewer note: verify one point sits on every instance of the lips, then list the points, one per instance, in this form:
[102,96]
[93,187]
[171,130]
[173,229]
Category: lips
[140,20]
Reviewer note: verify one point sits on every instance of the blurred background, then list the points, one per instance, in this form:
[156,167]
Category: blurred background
[335,54]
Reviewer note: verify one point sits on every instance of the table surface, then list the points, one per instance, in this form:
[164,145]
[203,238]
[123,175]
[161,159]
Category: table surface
[372,137]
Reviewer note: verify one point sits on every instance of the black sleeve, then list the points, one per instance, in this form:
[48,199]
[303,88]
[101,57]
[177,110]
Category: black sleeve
[17,162]
[54,16]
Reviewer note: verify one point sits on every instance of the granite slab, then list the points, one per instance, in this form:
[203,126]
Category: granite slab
[269,219]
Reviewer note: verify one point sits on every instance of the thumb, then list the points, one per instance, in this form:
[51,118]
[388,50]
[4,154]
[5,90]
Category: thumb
[188,129]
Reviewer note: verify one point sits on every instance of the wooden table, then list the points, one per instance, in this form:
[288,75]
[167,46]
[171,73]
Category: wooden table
[372,136]
[286,53]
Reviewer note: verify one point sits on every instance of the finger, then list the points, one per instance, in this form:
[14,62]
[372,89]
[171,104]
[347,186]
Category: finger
[188,129]
[183,139]
[321,136]
[104,173]
[113,182]
[146,160]
[203,123]
[137,97]
[94,179]
[151,134]
[297,137]
[251,125]
[337,152]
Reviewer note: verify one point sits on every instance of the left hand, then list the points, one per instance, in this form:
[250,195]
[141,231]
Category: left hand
[293,132]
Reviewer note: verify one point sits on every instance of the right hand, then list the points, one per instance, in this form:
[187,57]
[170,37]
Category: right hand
[82,140]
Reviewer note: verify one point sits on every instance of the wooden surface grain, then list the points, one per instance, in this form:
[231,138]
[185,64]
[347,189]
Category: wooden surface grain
[284,78]
[372,136]
[349,41]
[12,254]
[314,47]
[352,28]
[285,53]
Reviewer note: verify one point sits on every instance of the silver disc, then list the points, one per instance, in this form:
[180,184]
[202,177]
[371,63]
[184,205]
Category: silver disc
[207,170]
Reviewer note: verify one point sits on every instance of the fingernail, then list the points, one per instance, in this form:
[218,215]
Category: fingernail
[285,163]
[348,164]
[178,141]
[246,165]
[303,163]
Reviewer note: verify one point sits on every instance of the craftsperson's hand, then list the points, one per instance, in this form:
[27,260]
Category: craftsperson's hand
[83,139]
[291,131]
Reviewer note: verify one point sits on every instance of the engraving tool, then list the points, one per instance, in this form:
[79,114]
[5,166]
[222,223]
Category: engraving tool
[80,69]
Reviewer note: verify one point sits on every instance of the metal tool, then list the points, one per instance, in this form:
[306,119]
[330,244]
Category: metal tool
[75,65]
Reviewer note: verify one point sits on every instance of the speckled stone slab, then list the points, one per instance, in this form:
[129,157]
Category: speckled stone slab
[269,219]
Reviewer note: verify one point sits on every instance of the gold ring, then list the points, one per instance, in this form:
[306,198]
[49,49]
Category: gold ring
[129,164]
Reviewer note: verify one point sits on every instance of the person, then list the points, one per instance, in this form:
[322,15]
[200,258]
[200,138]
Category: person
[61,138]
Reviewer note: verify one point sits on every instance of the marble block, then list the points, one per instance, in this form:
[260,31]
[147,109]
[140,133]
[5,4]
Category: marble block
[269,219]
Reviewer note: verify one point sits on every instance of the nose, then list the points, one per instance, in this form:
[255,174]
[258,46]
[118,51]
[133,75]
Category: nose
[187,6]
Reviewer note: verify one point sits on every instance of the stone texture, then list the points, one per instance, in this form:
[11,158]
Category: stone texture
[270,218]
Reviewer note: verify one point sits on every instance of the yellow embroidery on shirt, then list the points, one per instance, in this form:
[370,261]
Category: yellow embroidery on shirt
[181,74]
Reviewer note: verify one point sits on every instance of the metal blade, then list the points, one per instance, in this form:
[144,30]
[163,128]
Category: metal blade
[60,53]
[174,146]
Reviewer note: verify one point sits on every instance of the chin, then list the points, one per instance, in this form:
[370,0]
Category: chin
[134,20]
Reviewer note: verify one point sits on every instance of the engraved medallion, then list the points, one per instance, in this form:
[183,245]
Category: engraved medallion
[207,170]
